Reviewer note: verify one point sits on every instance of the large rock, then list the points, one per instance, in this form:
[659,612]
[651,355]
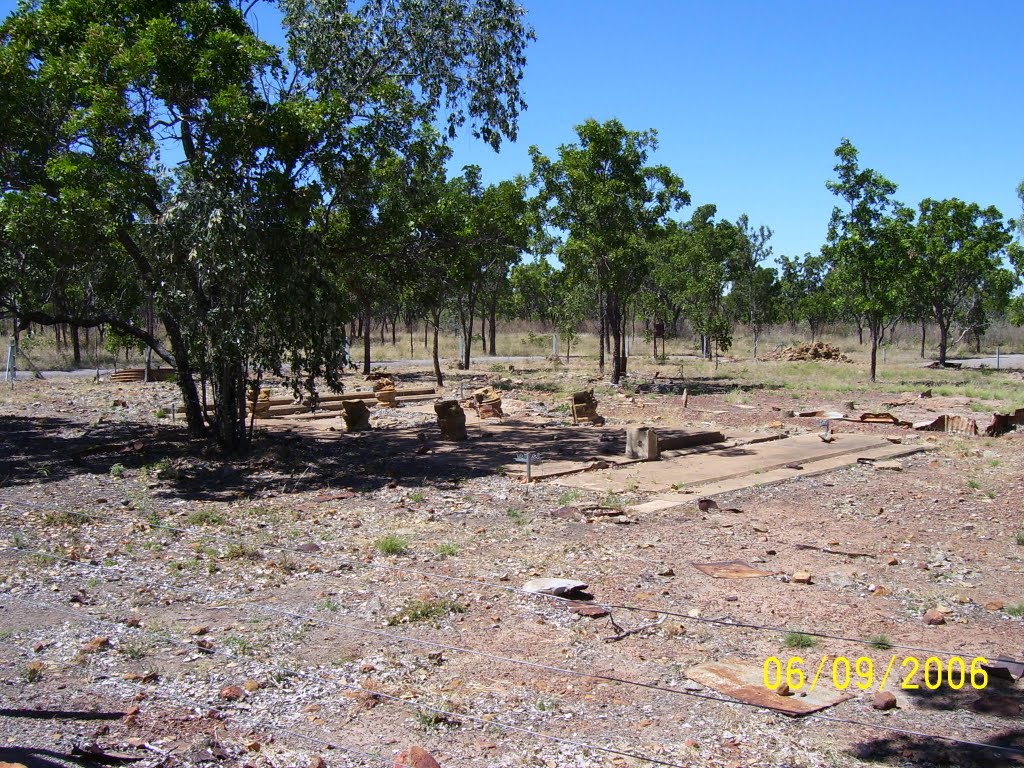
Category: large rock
[416,757]
[934,617]
[556,587]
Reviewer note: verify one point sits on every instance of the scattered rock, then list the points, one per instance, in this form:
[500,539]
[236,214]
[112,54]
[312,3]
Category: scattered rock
[416,757]
[934,617]
[308,547]
[892,561]
[590,611]
[557,587]
[232,693]
[252,685]
[199,630]
[995,605]
[883,700]
[317,762]
[801,577]
[666,572]
[96,645]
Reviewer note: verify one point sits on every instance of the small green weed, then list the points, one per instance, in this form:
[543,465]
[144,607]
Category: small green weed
[973,484]
[799,640]
[327,604]
[447,549]
[240,645]
[205,517]
[430,720]
[160,413]
[416,497]
[241,551]
[117,470]
[425,610]
[134,649]
[18,540]
[52,519]
[614,501]
[570,497]
[1020,538]
[517,516]
[1015,610]
[33,672]
[881,642]
[392,544]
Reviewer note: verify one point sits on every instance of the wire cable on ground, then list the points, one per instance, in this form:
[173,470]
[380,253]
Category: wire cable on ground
[375,693]
[177,700]
[516,590]
[522,662]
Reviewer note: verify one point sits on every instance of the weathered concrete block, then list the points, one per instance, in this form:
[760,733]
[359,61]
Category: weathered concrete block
[642,443]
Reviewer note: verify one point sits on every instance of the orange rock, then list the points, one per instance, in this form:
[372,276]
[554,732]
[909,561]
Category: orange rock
[416,757]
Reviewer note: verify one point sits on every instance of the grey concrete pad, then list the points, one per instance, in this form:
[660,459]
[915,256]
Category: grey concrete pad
[750,461]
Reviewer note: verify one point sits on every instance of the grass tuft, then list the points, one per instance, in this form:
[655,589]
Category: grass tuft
[425,610]
[880,642]
[392,544]
[799,640]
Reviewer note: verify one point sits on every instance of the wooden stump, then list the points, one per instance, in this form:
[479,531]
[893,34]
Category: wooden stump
[356,415]
[452,420]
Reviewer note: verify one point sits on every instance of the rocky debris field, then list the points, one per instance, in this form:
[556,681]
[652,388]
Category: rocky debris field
[343,600]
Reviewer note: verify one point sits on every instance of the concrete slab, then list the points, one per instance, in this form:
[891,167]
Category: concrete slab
[750,463]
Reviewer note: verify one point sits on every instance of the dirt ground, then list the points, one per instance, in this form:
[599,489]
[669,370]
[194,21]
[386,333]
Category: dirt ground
[333,599]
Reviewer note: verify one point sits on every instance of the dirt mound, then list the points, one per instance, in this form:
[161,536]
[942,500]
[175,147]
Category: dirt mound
[819,350]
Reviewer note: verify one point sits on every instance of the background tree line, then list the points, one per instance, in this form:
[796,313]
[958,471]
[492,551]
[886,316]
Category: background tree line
[241,209]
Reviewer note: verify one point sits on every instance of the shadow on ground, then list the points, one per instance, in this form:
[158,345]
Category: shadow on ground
[1000,701]
[283,459]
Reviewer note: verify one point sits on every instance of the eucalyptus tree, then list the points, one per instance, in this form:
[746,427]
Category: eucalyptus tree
[603,205]
[868,247]
[493,231]
[185,158]
[958,249]
[754,292]
[803,295]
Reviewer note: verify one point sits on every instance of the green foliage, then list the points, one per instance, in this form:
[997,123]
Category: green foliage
[117,470]
[447,549]
[868,248]
[799,640]
[1020,538]
[604,206]
[392,544]
[205,517]
[1015,610]
[163,156]
[958,273]
[880,642]
[415,611]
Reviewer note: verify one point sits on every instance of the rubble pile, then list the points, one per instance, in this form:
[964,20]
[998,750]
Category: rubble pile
[819,350]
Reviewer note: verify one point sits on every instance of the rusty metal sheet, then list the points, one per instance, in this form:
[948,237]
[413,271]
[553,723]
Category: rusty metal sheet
[744,681]
[1004,422]
[951,424]
[882,418]
[730,569]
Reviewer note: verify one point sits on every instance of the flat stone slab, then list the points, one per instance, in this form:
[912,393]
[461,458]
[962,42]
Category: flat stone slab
[711,469]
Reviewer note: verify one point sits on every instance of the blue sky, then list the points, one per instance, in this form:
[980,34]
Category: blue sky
[751,98]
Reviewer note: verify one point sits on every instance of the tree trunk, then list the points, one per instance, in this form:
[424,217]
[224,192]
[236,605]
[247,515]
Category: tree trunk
[195,418]
[943,341]
[757,336]
[615,323]
[76,346]
[492,326]
[625,353]
[874,349]
[602,310]
[229,401]
[366,340]
[437,360]
[924,336]
[483,335]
